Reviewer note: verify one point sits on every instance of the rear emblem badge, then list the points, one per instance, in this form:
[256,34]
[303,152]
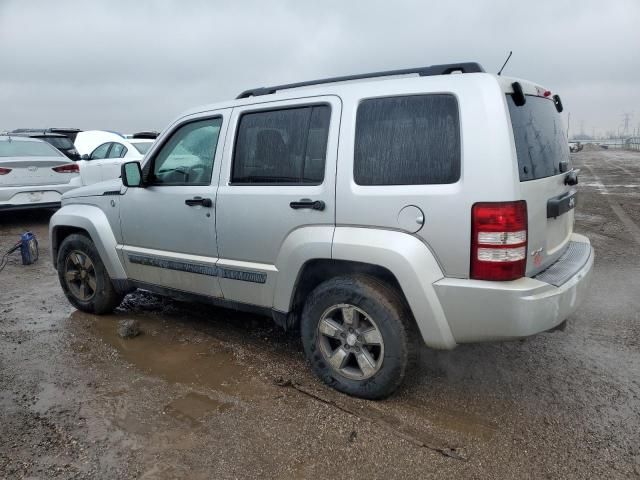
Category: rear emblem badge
[32,169]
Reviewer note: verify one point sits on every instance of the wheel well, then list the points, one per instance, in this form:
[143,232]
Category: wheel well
[314,272]
[59,234]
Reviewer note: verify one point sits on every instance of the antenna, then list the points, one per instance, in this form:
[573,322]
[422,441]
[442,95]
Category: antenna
[505,62]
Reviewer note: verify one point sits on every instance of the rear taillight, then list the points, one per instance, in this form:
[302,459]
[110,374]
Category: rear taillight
[498,240]
[4,171]
[67,168]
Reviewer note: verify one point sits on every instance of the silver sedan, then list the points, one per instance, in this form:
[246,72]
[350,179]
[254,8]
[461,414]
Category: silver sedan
[33,174]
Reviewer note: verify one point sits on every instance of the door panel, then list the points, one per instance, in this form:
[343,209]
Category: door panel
[269,187]
[169,231]
[91,169]
[110,166]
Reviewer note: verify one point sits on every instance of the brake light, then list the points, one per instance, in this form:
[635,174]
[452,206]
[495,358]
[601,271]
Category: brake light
[4,171]
[498,240]
[67,168]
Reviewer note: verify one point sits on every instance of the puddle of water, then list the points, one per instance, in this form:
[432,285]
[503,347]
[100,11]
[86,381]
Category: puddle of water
[194,407]
[166,352]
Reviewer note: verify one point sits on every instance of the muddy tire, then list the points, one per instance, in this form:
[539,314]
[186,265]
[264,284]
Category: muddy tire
[84,278]
[359,336]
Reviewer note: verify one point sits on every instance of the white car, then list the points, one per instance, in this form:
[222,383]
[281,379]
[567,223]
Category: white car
[104,152]
[33,174]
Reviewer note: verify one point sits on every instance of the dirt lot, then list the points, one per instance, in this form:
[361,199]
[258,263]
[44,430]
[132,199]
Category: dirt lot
[208,393]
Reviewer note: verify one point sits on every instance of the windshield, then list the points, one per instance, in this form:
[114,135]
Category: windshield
[59,142]
[142,147]
[540,138]
[27,148]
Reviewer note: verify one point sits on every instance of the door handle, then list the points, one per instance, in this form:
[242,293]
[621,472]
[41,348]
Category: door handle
[205,202]
[306,203]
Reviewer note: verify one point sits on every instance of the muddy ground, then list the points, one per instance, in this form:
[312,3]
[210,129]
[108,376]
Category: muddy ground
[208,393]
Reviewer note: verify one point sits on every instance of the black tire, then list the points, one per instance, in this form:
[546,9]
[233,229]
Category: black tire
[105,297]
[386,307]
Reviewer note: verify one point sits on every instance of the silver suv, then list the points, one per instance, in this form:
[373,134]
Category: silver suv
[372,211]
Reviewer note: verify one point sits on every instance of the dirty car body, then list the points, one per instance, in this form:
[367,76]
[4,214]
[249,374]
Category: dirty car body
[373,213]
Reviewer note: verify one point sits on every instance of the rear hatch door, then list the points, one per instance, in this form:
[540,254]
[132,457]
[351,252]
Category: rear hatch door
[543,162]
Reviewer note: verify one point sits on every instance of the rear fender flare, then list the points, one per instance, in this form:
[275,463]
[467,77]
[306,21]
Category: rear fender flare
[413,265]
[300,246]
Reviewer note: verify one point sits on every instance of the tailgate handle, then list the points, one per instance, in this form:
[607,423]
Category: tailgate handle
[561,204]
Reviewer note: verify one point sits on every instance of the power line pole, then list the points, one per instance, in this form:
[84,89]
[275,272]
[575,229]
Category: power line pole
[626,118]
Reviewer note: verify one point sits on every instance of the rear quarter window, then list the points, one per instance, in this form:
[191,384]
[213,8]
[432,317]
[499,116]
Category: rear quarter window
[410,140]
[540,138]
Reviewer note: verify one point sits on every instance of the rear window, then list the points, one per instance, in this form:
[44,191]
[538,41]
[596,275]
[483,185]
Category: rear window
[27,148]
[63,143]
[540,138]
[413,140]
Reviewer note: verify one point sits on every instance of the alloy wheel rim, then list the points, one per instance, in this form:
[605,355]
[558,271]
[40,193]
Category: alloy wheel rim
[350,342]
[80,275]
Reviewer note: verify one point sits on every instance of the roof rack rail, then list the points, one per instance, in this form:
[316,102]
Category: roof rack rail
[445,69]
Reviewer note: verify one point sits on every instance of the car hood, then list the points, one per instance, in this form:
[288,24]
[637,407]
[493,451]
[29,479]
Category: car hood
[95,189]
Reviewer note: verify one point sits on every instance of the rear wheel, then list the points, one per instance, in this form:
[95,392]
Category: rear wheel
[84,278]
[357,335]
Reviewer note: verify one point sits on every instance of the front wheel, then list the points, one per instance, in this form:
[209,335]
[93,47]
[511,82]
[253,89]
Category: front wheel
[84,278]
[357,335]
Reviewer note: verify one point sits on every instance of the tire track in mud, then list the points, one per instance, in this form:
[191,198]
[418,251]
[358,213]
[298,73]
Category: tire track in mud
[632,228]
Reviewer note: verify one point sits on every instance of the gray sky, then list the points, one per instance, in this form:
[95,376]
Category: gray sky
[126,66]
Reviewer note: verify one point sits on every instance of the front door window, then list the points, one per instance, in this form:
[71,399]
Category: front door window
[187,158]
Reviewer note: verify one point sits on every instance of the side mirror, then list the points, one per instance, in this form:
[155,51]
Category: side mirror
[84,157]
[131,174]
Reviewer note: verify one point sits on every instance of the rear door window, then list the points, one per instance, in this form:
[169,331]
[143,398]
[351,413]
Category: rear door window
[540,137]
[411,140]
[285,146]
[117,150]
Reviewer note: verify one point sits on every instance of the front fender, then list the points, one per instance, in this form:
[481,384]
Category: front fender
[413,265]
[92,220]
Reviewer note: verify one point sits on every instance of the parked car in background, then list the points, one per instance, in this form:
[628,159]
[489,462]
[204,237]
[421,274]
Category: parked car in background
[103,163]
[58,140]
[68,132]
[151,134]
[33,174]
[87,141]
[375,211]
[575,147]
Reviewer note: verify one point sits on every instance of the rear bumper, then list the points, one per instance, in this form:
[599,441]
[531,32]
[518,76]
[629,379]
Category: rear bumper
[34,196]
[482,311]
